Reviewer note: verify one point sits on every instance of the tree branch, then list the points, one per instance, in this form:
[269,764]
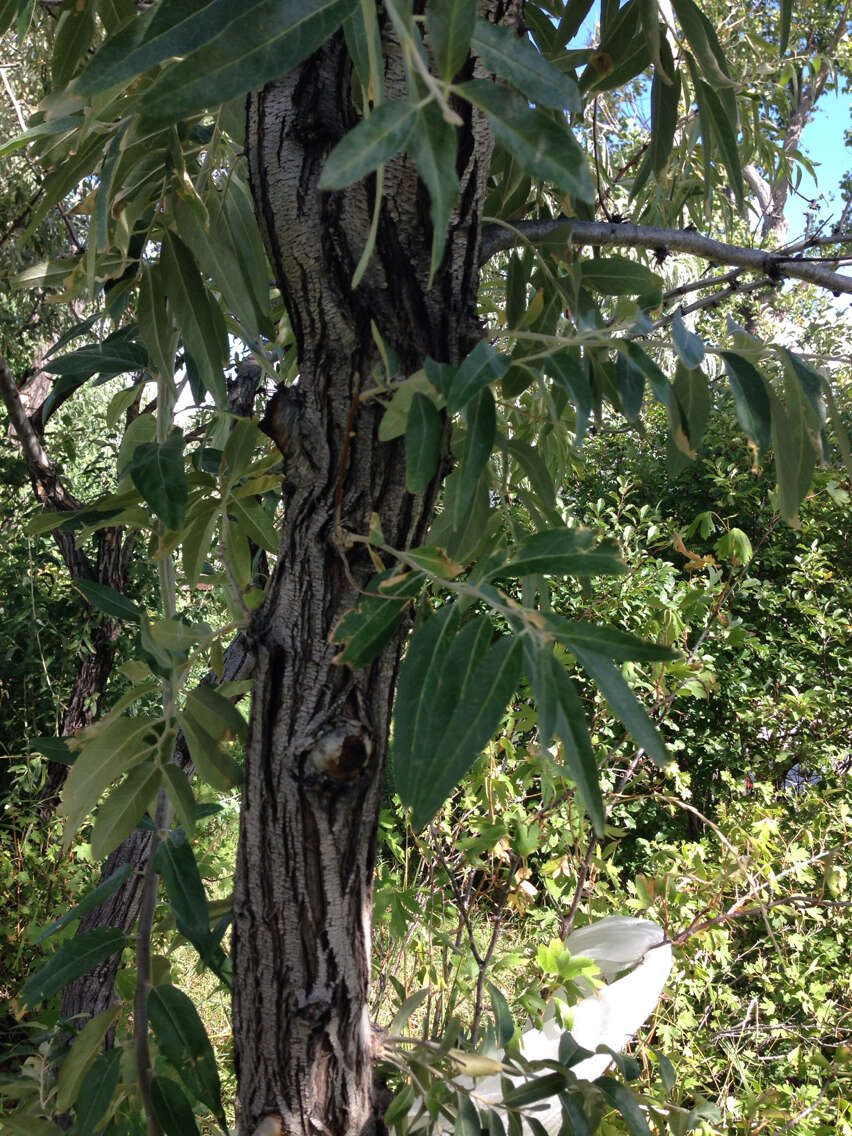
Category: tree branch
[38,462]
[497,238]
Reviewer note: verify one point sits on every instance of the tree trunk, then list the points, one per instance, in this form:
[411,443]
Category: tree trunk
[316,756]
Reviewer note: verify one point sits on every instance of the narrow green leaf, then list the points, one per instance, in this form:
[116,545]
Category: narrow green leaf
[450,26]
[96,1092]
[172,1110]
[411,1003]
[157,471]
[108,600]
[254,522]
[221,718]
[112,751]
[810,383]
[438,668]
[424,434]
[175,862]
[368,628]
[123,809]
[370,144]
[54,749]
[566,369]
[751,398]
[177,785]
[534,1090]
[688,345]
[726,133]
[694,402]
[561,712]
[567,552]
[481,416]
[417,696]
[502,1015]
[574,1116]
[8,11]
[609,641]
[795,456]
[238,48]
[119,403]
[433,145]
[116,355]
[534,468]
[640,359]
[213,765]
[238,218]
[630,383]
[468,1122]
[665,100]
[440,375]
[196,544]
[626,1103]
[78,956]
[704,42]
[183,1040]
[217,258]
[571,21]
[364,44]
[84,1049]
[537,142]
[155,326]
[481,367]
[474,721]
[53,126]
[71,42]
[624,704]
[513,57]
[619,276]
[95,898]
[193,309]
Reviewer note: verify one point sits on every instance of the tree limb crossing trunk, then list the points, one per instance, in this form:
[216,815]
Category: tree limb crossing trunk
[303,891]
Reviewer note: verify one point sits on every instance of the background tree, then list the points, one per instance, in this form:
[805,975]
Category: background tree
[371,162]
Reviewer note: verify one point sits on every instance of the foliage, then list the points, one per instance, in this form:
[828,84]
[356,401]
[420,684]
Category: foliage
[550,604]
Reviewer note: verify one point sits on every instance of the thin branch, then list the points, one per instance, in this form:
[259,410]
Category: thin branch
[41,468]
[601,233]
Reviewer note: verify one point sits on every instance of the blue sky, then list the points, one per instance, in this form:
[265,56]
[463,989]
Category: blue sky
[822,142]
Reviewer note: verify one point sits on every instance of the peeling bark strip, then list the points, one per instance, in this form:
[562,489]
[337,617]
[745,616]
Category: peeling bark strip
[303,892]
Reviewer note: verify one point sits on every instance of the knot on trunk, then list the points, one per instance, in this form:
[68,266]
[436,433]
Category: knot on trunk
[341,753]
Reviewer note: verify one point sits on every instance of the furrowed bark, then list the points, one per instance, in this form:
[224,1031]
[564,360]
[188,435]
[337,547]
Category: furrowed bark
[318,742]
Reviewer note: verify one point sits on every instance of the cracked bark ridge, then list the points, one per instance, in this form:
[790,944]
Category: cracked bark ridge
[303,890]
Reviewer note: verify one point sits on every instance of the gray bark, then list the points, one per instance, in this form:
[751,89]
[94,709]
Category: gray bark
[318,741]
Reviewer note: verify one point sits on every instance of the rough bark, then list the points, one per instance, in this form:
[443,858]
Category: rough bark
[318,741]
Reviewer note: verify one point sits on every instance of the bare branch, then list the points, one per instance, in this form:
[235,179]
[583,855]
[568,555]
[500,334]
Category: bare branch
[775,265]
[41,468]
